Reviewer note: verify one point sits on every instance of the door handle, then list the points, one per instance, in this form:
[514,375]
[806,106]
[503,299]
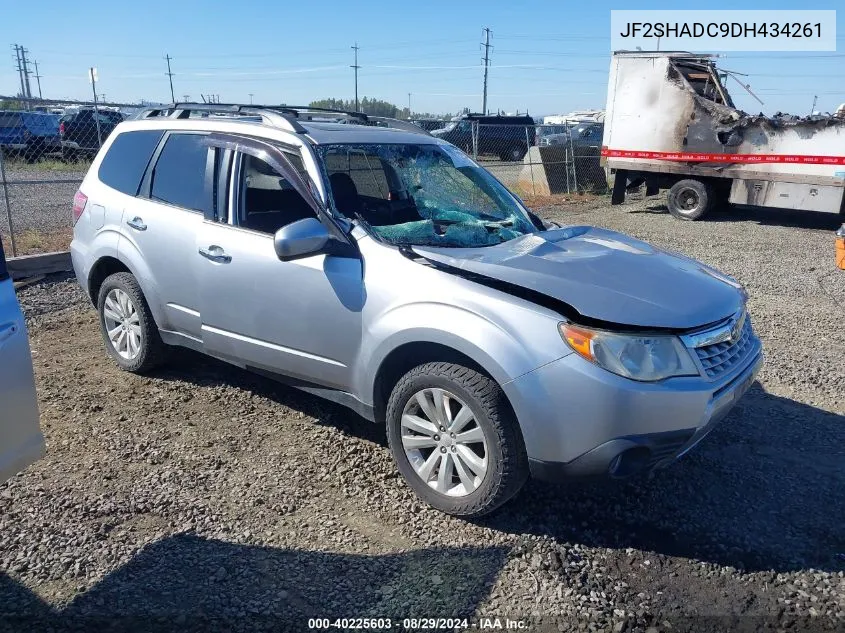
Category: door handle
[215,254]
[137,224]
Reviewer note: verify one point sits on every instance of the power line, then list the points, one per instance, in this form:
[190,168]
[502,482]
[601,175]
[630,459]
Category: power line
[486,66]
[356,67]
[170,76]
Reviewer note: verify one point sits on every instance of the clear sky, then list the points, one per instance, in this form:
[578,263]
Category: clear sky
[547,57]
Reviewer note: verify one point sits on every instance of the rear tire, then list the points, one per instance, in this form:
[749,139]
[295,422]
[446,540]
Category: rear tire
[129,331]
[488,427]
[690,199]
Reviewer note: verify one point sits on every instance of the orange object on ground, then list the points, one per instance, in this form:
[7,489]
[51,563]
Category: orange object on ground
[840,247]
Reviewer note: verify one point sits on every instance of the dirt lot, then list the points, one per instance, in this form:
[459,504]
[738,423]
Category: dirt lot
[205,497]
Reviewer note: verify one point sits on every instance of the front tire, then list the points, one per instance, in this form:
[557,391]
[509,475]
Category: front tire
[690,199]
[455,439]
[129,331]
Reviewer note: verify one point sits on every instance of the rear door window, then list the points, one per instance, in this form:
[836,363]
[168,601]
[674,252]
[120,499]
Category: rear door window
[126,161]
[179,177]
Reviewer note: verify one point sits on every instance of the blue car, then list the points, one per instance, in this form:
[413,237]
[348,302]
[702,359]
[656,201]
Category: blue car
[29,134]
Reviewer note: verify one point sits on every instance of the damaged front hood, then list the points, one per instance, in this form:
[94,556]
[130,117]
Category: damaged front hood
[603,275]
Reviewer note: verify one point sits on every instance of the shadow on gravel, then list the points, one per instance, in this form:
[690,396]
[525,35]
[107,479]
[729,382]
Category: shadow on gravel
[762,492]
[760,215]
[187,583]
[204,371]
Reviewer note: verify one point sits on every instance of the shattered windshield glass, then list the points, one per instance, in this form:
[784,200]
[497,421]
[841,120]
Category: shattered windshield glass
[423,194]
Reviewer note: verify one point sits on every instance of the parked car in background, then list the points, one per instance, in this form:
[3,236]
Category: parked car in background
[21,442]
[29,134]
[430,124]
[544,131]
[385,270]
[584,138]
[507,137]
[80,133]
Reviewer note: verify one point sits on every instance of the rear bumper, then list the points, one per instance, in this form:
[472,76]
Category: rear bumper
[581,421]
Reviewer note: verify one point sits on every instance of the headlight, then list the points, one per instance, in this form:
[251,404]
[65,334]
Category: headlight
[647,357]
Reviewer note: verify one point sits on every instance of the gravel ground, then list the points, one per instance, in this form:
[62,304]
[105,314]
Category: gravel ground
[203,497]
[42,207]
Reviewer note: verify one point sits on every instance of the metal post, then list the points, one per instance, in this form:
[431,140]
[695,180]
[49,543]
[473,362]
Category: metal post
[96,111]
[474,130]
[531,162]
[574,166]
[8,206]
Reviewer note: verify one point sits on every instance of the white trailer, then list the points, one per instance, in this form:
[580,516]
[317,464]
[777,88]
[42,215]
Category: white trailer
[670,122]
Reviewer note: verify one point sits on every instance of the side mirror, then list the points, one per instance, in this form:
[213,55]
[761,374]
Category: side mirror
[300,238]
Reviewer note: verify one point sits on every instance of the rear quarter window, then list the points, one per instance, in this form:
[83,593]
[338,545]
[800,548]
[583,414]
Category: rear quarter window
[127,158]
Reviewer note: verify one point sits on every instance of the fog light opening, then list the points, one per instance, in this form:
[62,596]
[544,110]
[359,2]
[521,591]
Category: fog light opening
[630,462]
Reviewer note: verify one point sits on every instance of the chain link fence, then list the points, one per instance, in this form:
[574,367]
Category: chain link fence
[46,147]
[538,160]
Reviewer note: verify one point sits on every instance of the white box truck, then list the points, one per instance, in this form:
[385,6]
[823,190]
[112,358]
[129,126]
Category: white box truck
[670,123]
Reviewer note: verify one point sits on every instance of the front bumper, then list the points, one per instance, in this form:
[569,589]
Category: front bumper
[579,420]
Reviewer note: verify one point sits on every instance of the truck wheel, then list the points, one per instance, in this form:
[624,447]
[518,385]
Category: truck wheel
[129,330]
[512,154]
[455,439]
[689,199]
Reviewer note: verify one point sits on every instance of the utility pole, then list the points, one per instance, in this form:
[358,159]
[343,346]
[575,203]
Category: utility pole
[92,75]
[170,77]
[38,79]
[187,98]
[20,70]
[815,98]
[356,67]
[409,105]
[486,65]
[26,72]
[250,98]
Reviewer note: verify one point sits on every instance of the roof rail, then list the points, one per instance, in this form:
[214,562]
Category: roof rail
[281,116]
[277,116]
[299,110]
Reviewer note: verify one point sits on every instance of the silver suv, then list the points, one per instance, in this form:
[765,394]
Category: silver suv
[383,269]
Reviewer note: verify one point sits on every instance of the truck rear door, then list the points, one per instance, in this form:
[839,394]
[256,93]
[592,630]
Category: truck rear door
[21,442]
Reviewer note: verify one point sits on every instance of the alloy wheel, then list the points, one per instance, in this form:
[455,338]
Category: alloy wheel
[123,324]
[443,442]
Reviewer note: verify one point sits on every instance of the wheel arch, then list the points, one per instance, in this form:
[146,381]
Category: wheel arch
[403,358]
[109,264]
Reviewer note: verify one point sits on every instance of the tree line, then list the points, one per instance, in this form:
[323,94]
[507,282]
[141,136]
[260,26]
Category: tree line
[375,107]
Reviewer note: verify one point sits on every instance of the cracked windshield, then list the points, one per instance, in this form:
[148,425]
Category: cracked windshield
[423,194]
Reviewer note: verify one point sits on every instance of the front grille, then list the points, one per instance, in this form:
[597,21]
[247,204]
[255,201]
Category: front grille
[719,358]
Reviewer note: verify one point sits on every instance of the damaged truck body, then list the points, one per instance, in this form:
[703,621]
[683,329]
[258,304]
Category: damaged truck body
[672,124]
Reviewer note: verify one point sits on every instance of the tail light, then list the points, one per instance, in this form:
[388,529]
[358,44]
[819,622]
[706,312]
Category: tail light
[62,128]
[79,202]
